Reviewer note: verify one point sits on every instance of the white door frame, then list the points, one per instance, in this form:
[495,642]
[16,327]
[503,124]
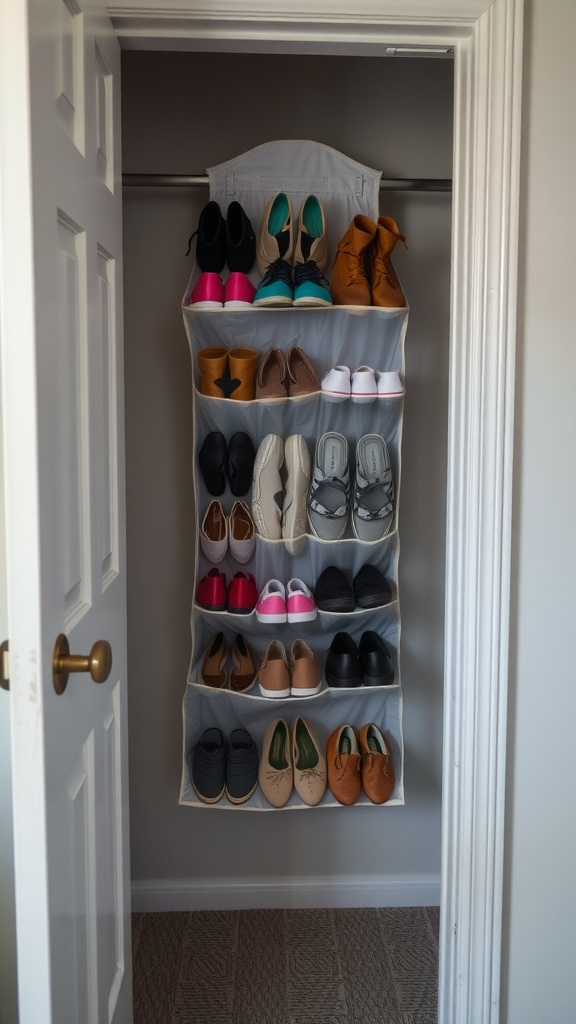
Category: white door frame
[486,36]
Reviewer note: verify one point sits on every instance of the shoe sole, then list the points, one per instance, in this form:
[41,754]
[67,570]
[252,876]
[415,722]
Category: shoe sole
[344,607]
[374,602]
[274,619]
[272,694]
[242,799]
[211,607]
[274,302]
[307,692]
[301,616]
[312,302]
[377,680]
[208,799]
[272,452]
[294,518]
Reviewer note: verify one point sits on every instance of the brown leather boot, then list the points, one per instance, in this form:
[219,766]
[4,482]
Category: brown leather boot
[349,285]
[242,363]
[386,290]
[213,363]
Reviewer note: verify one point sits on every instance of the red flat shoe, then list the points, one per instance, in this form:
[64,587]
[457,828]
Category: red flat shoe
[243,594]
[211,591]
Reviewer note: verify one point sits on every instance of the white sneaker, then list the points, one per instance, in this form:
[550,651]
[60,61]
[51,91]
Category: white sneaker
[363,386]
[389,384]
[267,488]
[294,515]
[336,383]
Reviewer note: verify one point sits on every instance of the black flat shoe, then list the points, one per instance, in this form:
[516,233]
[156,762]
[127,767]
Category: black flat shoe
[212,462]
[375,660]
[240,464]
[370,588]
[333,592]
[343,662]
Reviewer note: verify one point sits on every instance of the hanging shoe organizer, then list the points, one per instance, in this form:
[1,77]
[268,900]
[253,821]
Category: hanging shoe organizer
[329,336]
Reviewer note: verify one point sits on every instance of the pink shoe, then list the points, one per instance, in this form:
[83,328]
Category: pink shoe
[271,605]
[208,292]
[242,594]
[300,604]
[238,291]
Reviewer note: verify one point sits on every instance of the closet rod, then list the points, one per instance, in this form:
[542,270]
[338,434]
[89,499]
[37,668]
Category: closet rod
[201,180]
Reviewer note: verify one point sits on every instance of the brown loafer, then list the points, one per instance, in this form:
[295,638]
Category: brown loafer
[212,672]
[377,770]
[302,377]
[343,763]
[243,674]
[306,671]
[274,674]
[271,376]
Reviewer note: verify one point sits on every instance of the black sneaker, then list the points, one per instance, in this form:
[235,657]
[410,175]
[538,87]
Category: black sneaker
[240,240]
[241,766]
[376,661]
[333,592]
[240,463]
[208,766]
[343,662]
[370,588]
[212,462]
[211,239]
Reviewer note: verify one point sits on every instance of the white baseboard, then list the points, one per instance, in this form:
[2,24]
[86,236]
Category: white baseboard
[153,895]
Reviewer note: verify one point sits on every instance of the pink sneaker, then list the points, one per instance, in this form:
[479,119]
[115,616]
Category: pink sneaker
[300,604]
[271,605]
[208,292]
[238,291]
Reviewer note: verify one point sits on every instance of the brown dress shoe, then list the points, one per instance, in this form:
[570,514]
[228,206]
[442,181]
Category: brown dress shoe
[212,672]
[349,285]
[378,779]
[343,762]
[243,674]
[213,363]
[302,378]
[386,290]
[271,376]
[242,363]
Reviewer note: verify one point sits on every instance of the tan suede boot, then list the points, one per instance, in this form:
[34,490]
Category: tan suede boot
[213,363]
[386,290]
[243,364]
[349,285]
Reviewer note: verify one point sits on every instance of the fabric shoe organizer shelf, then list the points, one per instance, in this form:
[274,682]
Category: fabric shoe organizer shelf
[329,336]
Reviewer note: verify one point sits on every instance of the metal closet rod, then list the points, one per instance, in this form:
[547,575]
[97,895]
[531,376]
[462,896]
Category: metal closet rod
[201,181]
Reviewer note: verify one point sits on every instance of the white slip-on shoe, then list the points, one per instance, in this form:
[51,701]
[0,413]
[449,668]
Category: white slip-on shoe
[267,488]
[363,387]
[241,533]
[328,501]
[294,515]
[214,533]
[389,384]
[335,384]
[373,507]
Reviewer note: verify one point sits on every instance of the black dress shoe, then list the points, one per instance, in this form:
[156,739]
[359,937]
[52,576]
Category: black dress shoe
[212,462]
[343,667]
[375,660]
[333,592]
[370,588]
[240,464]
[240,240]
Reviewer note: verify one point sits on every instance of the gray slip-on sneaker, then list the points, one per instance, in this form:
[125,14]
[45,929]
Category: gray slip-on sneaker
[241,766]
[294,518]
[267,488]
[373,508]
[208,766]
[329,496]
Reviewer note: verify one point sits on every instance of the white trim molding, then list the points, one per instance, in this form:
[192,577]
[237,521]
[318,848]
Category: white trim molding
[486,36]
[241,894]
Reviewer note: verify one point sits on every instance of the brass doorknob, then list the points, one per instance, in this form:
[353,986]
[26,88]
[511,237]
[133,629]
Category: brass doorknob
[98,663]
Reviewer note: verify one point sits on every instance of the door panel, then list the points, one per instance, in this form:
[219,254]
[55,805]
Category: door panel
[62,397]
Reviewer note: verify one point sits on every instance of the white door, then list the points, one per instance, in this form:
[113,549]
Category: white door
[60,273]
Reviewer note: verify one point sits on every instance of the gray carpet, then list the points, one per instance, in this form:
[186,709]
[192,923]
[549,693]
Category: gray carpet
[286,967]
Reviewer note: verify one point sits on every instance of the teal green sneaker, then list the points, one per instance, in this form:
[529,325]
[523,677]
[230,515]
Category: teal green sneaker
[310,256]
[274,253]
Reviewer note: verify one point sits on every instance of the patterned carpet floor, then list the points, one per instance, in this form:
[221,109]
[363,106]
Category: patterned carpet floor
[373,966]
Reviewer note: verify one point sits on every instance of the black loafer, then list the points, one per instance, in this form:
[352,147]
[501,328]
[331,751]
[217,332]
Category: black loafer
[207,766]
[240,240]
[370,588]
[240,464]
[241,766]
[333,592]
[212,462]
[375,659]
[343,667]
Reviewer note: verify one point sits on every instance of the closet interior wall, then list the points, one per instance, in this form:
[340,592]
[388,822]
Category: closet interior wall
[183,112]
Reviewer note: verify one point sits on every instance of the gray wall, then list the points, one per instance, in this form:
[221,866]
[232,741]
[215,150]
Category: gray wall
[540,879]
[181,113]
